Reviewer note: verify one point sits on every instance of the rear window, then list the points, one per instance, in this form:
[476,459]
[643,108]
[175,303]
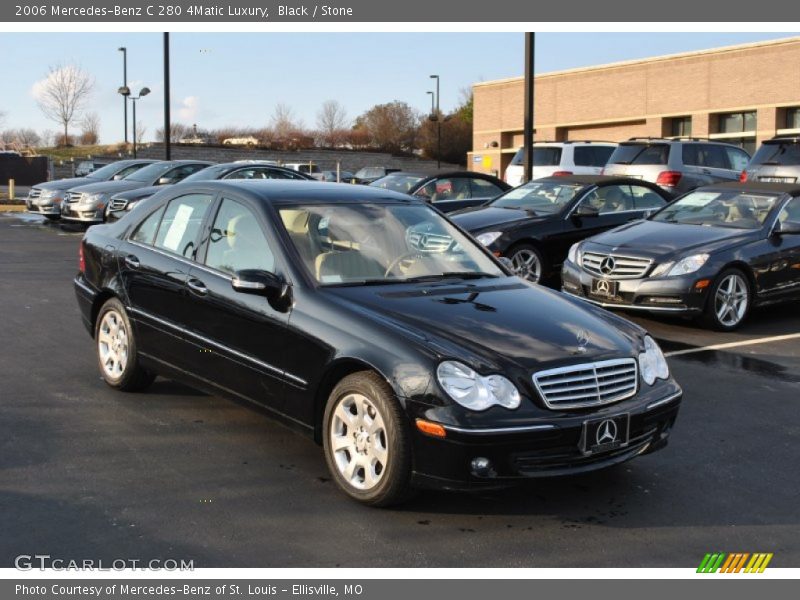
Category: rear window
[777,154]
[640,154]
[592,156]
[548,156]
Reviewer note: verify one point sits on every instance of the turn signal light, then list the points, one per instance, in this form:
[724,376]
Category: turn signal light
[562,173]
[81,259]
[703,283]
[743,177]
[668,178]
[433,429]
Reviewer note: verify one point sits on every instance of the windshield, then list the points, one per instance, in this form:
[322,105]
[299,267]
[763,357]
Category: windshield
[207,174]
[363,244]
[543,156]
[108,171]
[777,154]
[739,210]
[640,154]
[150,173]
[397,182]
[539,197]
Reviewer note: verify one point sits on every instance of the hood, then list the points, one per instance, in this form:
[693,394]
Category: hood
[485,217]
[139,193]
[64,184]
[660,240]
[108,187]
[495,324]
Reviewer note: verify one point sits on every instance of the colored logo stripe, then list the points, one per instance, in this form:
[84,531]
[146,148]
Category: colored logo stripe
[734,563]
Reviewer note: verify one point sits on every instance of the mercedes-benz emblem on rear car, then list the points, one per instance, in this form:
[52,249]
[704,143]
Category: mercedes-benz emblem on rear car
[602,286]
[607,265]
[606,432]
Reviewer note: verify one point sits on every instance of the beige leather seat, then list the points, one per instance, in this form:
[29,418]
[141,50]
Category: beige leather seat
[347,265]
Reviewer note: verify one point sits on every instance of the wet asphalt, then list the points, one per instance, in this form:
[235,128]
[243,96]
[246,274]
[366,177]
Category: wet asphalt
[86,472]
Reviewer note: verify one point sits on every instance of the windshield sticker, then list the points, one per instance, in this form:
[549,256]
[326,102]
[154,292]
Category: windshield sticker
[699,199]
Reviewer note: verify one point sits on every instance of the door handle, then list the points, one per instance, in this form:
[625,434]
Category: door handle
[132,261]
[197,286]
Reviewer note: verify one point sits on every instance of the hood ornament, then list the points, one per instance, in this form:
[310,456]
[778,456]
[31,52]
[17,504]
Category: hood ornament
[582,337]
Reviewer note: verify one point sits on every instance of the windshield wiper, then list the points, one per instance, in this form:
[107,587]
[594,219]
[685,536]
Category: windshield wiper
[530,211]
[450,275]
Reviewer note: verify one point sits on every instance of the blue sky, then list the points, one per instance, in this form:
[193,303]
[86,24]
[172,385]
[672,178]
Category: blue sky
[223,79]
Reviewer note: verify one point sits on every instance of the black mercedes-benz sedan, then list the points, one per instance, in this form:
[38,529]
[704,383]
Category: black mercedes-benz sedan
[535,224]
[367,320]
[714,253]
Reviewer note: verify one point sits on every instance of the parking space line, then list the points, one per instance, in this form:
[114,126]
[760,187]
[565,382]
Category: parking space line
[764,340]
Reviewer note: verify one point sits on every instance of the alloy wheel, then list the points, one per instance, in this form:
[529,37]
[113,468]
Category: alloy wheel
[112,344]
[731,300]
[526,264]
[358,441]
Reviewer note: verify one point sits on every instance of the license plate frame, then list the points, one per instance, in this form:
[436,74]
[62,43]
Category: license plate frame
[592,437]
[604,288]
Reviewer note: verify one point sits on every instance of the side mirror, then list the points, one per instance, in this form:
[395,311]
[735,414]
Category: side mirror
[263,283]
[585,210]
[787,228]
[117,177]
[166,181]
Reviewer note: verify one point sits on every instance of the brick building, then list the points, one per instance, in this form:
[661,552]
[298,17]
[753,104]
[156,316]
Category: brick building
[742,94]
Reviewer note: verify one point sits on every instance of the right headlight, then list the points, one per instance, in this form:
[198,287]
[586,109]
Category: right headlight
[574,254]
[652,364]
[486,239]
[474,391]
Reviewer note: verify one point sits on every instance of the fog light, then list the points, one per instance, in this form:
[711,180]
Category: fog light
[570,286]
[482,467]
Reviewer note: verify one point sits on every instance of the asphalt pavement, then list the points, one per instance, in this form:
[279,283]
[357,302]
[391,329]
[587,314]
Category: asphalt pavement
[87,472]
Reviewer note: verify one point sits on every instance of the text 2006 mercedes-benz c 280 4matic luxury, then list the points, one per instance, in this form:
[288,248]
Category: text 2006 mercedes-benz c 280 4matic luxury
[369,321]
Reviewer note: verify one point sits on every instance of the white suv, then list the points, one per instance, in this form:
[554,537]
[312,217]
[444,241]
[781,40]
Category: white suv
[560,158]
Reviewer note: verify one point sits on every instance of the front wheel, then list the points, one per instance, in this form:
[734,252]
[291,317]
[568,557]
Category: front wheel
[728,301]
[366,441]
[527,262]
[116,350]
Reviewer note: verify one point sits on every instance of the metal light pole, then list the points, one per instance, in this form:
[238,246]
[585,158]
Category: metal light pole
[530,44]
[142,93]
[125,85]
[438,127]
[167,124]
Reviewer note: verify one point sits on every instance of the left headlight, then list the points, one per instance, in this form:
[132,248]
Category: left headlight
[652,364]
[684,266]
[98,198]
[488,238]
[474,391]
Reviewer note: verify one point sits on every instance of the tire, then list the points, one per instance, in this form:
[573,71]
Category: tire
[115,345]
[723,312]
[52,218]
[528,261]
[372,466]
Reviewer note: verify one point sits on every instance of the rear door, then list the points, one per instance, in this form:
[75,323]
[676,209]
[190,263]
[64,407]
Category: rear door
[154,264]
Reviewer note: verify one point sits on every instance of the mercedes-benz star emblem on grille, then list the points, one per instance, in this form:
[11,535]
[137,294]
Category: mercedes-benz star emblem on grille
[602,286]
[606,432]
[608,264]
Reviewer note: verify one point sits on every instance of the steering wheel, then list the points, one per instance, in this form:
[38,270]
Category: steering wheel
[411,257]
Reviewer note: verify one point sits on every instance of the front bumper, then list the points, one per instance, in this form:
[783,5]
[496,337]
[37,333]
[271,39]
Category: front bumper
[677,295]
[82,213]
[548,447]
[33,207]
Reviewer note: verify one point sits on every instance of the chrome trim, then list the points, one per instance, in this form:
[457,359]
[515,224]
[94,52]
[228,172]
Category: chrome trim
[641,265]
[494,430]
[85,287]
[583,380]
[247,285]
[222,347]
[183,259]
[631,306]
[669,398]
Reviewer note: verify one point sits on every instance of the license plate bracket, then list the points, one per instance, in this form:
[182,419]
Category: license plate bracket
[606,434]
[605,288]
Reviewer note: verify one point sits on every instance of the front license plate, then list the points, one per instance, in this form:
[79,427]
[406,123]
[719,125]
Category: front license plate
[602,435]
[778,179]
[604,287]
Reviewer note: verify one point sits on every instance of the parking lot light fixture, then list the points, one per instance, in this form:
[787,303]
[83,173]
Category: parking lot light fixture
[142,93]
[438,127]
[124,51]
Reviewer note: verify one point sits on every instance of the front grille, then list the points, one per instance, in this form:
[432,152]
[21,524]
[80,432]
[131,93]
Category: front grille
[429,242]
[117,204]
[588,384]
[34,193]
[72,197]
[615,266]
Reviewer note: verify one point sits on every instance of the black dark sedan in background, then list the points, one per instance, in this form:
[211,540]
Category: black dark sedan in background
[123,202]
[365,319]
[447,191]
[535,224]
[715,253]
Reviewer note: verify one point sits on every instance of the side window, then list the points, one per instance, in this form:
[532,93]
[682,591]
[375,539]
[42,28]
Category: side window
[645,198]
[145,232]
[715,157]
[790,212]
[181,222]
[456,188]
[592,156]
[244,174]
[610,199]
[689,155]
[737,159]
[484,189]
[237,241]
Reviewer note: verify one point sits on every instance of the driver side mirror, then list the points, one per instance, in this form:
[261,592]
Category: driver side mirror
[585,210]
[166,181]
[787,228]
[117,177]
[273,287]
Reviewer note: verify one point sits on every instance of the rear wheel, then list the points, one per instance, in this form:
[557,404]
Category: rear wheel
[116,350]
[527,262]
[729,301]
[366,441]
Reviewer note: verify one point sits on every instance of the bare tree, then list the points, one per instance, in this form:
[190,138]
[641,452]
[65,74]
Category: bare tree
[176,132]
[90,129]
[141,130]
[47,138]
[332,123]
[63,94]
[283,122]
[392,127]
[24,137]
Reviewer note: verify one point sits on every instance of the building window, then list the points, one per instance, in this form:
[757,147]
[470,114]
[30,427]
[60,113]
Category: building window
[681,126]
[738,122]
[793,118]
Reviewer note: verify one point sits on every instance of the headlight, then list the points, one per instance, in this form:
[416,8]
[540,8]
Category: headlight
[130,205]
[47,194]
[652,364]
[486,239]
[687,265]
[574,254]
[474,391]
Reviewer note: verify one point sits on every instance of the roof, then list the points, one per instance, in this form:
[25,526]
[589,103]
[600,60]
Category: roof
[280,191]
[596,179]
[793,189]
